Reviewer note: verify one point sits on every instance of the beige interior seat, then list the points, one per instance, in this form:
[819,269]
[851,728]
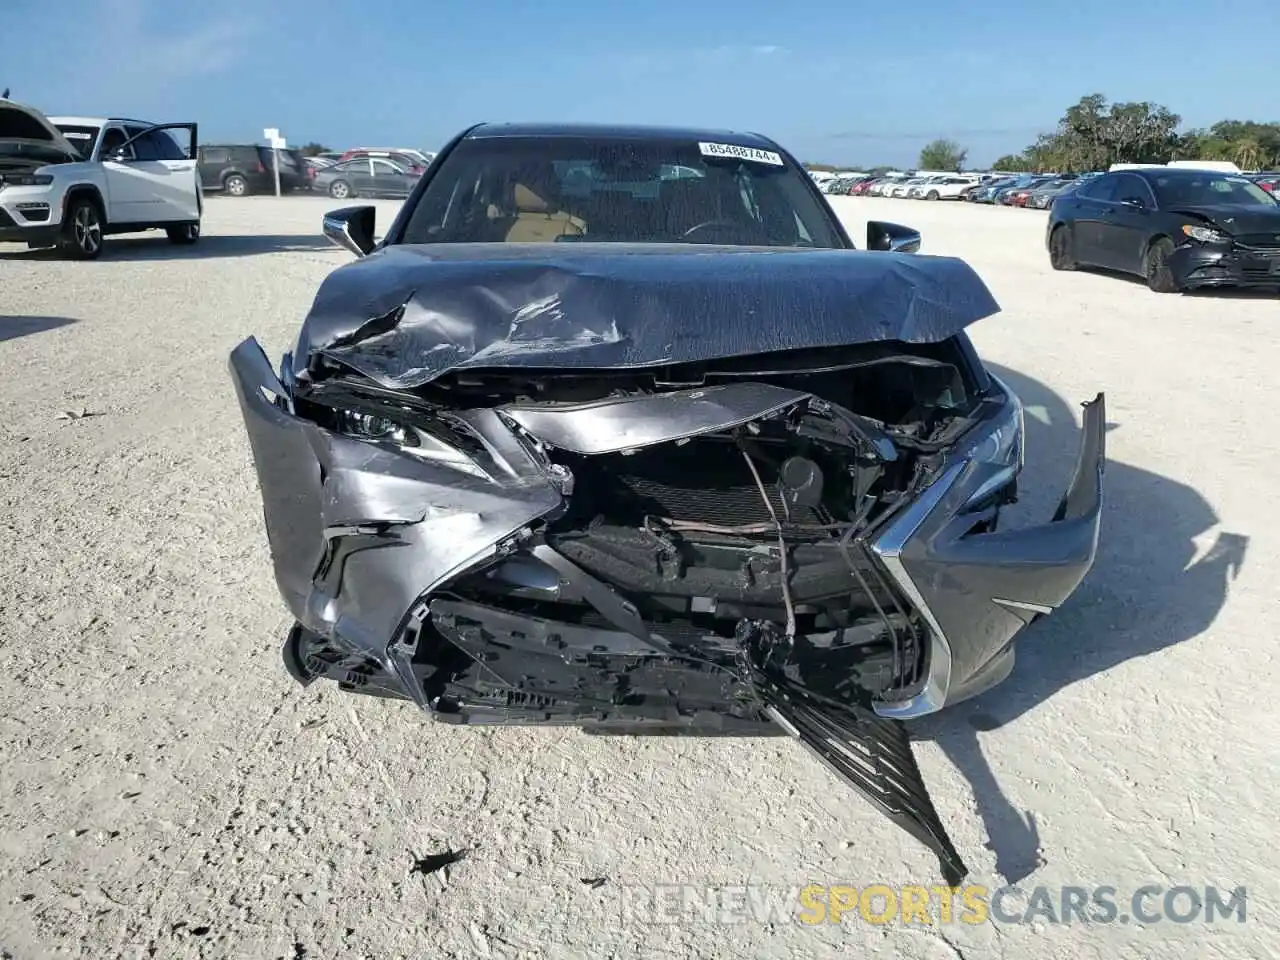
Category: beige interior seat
[539,221]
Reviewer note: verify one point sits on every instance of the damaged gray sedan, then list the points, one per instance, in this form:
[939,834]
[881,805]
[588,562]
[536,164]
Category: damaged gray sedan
[615,428]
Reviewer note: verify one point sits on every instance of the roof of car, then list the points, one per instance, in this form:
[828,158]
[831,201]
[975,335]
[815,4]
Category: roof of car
[617,132]
[95,121]
[1178,172]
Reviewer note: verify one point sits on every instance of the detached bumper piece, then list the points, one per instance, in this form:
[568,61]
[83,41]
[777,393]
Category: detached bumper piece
[870,753]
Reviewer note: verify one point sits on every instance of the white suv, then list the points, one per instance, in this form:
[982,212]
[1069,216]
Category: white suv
[945,188]
[68,182]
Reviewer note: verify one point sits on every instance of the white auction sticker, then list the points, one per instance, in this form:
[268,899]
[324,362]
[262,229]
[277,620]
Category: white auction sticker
[740,153]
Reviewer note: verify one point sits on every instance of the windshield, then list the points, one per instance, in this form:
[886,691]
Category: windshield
[82,138]
[1210,189]
[535,189]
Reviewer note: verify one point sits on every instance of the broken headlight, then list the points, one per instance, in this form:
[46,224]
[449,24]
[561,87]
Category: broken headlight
[999,444]
[1204,234]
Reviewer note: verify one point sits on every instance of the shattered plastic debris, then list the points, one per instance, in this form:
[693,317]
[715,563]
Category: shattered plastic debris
[76,413]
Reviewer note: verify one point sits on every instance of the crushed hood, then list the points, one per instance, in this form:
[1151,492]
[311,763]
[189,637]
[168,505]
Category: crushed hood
[407,314]
[1235,219]
[24,129]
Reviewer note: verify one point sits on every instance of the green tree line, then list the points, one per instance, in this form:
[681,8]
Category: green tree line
[1094,134]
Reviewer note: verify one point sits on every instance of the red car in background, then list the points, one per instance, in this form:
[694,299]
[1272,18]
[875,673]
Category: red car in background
[1269,182]
[1018,197]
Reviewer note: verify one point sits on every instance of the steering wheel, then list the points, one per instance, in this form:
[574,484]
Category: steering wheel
[730,225]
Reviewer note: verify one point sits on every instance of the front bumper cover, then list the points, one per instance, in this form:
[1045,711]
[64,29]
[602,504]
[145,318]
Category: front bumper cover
[361,535]
[1196,265]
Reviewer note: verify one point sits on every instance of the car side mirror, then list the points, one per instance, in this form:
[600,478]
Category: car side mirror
[351,228]
[892,237]
[118,156]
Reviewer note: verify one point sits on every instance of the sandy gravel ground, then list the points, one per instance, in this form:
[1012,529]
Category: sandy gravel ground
[168,792]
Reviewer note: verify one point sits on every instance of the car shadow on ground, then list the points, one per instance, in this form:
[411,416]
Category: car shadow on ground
[158,247]
[1147,591]
[11,328]
[1227,293]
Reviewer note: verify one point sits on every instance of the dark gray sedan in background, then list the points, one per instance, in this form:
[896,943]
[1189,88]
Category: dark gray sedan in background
[365,177]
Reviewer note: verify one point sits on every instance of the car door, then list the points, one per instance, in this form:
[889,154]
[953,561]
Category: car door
[213,160]
[144,187]
[1128,223]
[359,173]
[390,180]
[173,170]
[1085,211]
[129,191]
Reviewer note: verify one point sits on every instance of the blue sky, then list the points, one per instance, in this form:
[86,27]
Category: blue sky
[831,81]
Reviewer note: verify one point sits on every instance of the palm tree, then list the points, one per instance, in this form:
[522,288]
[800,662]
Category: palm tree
[1248,154]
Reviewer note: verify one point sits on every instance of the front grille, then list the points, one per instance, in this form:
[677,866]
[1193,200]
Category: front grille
[706,480]
[6,220]
[1260,274]
[731,500]
[1260,240]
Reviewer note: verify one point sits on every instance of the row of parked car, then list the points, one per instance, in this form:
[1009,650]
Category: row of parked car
[1017,190]
[244,169]
[1032,191]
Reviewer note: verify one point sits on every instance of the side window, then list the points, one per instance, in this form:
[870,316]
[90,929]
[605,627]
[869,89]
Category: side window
[1102,188]
[112,141]
[1130,187]
[164,146]
[216,155]
[143,148]
[384,168]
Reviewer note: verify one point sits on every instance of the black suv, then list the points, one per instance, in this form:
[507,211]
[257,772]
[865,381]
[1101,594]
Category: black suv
[242,169]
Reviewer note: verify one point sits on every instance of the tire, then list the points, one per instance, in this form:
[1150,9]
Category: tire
[82,229]
[1155,267]
[185,234]
[236,185]
[1060,252]
[931,195]
[341,190]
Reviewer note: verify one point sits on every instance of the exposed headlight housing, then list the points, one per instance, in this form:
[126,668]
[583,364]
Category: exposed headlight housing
[369,427]
[1204,234]
[999,444]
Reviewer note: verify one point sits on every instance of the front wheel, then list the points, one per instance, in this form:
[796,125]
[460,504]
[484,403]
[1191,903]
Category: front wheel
[82,230]
[341,190]
[184,234]
[1156,269]
[931,195]
[237,186]
[1060,257]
